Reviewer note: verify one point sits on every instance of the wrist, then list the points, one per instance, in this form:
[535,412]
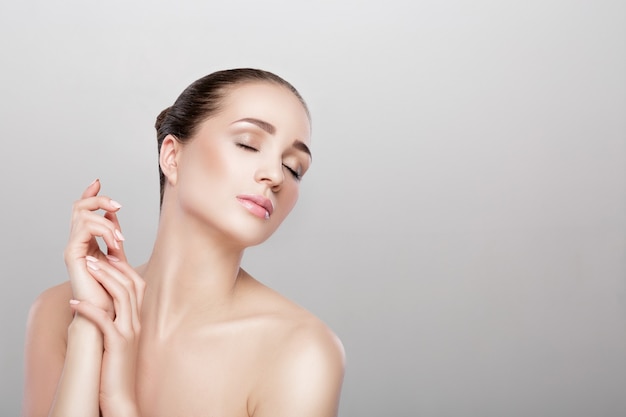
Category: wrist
[81,327]
[122,408]
[79,383]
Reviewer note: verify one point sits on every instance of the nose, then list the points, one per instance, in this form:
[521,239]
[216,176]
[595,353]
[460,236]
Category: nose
[271,173]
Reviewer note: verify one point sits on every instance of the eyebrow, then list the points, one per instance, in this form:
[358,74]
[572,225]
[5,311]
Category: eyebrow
[299,145]
[269,128]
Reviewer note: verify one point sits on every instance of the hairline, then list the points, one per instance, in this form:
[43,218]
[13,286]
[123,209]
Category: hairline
[225,90]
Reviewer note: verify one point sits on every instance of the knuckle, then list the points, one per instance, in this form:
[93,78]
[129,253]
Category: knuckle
[125,339]
[130,290]
[80,220]
[124,290]
[129,284]
[78,225]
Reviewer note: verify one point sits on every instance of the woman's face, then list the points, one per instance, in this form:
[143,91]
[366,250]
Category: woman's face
[240,173]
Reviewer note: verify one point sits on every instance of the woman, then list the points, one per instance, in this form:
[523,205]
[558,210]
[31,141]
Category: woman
[190,333]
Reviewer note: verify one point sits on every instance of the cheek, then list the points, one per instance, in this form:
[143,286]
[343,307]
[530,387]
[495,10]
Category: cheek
[202,172]
[209,162]
[289,198]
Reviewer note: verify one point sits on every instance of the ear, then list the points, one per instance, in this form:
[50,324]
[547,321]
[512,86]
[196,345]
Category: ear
[168,158]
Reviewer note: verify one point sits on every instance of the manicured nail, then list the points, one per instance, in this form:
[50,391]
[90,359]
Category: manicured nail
[74,302]
[119,235]
[91,258]
[94,181]
[92,266]
[112,258]
[115,204]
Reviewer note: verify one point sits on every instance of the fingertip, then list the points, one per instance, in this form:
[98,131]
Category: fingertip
[116,253]
[119,235]
[92,189]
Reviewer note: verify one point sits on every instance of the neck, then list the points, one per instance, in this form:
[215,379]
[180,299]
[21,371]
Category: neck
[192,273]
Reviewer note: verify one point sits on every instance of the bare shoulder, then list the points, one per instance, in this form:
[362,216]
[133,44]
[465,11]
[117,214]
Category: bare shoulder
[298,329]
[305,372]
[49,317]
[52,306]
[307,336]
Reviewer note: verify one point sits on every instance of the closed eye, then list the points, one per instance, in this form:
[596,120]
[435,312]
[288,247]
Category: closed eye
[247,147]
[293,172]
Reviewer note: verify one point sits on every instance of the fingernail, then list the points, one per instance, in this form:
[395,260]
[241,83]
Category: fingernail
[112,258]
[119,235]
[74,302]
[91,258]
[116,204]
[94,181]
[92,266]
[116,244]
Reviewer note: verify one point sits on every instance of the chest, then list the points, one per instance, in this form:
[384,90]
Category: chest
[193,378]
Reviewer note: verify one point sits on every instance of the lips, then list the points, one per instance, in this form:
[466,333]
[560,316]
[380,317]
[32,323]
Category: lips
[257,204]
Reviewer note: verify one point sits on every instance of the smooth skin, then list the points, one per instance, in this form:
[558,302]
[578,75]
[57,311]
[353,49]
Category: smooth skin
[189,333]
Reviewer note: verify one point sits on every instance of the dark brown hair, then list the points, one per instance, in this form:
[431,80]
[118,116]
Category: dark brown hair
[202,99]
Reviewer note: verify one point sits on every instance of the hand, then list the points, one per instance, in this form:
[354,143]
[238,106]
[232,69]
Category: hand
[121,334]
[86,225]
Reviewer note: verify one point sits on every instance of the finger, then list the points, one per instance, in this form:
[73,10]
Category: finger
[93,203]
[116,252]
[120,290]
[124,274]
[92,189]
[85,217]
[130,279]
[85,228]
[99,317]
[129,272]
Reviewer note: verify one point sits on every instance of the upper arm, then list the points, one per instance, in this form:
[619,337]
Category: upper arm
[44,349]
[306,379]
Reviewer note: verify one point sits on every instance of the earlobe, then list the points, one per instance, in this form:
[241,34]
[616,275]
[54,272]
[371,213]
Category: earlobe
[168,158]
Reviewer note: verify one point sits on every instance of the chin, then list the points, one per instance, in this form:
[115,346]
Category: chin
[250,232]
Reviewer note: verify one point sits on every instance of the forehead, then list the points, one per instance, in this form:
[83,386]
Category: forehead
[271,103]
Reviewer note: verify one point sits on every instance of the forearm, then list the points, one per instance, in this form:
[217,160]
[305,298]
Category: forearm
[78,389]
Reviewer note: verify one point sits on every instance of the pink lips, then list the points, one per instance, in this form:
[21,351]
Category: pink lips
[257,204]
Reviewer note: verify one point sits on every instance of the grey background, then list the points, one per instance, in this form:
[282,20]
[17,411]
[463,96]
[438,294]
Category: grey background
[462,229]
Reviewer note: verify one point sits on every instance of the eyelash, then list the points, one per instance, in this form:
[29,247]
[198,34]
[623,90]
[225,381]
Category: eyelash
[247,147]
[292,171]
